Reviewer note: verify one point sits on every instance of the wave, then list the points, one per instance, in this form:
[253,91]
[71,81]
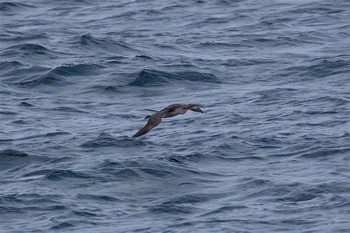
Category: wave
[105,140]
[10,65]
[323,8]
[63,225]
[106,45]
[332,100]
[57,76]
[100,198]
[299,192]
[128,170]
[34,48]
[47,202]
[76,70]
[148,78]
[20,37]
[275,95]
[30,50]
[15,72]
[11,157]
[120,170]
[42,80]
[239,62]
[67,110]
[44,135]
[104,88]
[8,113]
[12,153]
[183,159]
[155,169]
[171,209]
[226,209]
[320,68]
[324,153]
[13,6]
[63,174]
[25,104]
[55,175]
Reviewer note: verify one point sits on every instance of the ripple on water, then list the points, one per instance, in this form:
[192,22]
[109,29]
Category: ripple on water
[272,154]
[101,198]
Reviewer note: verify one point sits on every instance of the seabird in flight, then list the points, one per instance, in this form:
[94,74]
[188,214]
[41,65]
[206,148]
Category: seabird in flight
[170,111]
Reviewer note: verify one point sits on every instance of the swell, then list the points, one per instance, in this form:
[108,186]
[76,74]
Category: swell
[26,50]
[8,7]
[149,78]
[320,67]
[58,76]
[164,167]
[107,140]
[44,135]
[9,65]
[106,45]
[12,153]
[58,174]
[18,73]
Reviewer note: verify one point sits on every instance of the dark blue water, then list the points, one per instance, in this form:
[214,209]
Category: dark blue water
[272,154]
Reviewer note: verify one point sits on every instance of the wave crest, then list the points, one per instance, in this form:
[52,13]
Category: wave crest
[159,78]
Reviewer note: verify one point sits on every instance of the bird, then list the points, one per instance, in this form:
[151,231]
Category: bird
[170,111]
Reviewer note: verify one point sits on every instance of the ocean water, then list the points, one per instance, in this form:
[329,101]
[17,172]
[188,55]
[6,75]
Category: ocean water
[271,154]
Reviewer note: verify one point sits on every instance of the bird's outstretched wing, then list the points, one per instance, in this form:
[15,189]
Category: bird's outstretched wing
[153,121]
[143,131]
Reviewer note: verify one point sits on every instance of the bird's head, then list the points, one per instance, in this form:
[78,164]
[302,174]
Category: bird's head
[195,108]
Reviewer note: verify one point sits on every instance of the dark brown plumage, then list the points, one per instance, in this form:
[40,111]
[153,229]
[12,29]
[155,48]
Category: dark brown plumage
[170,111]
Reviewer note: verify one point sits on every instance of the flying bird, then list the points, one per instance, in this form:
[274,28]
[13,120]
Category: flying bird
[170,111]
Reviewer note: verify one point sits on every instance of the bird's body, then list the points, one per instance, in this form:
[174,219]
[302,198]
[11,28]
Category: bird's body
[170,111]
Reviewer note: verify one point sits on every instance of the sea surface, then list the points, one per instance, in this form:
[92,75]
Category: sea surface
[271,153]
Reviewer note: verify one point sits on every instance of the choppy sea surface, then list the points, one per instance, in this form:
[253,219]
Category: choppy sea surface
[271,154]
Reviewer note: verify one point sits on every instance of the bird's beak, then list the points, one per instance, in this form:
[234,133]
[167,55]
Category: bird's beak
[198,110]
